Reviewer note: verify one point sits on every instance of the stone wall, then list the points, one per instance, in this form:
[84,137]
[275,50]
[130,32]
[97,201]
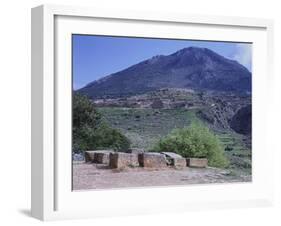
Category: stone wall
[137,157]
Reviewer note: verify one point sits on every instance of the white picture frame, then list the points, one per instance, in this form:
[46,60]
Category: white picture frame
[52,197]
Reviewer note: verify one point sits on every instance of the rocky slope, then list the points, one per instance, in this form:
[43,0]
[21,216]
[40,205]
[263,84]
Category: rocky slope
[242,120]
[215,108]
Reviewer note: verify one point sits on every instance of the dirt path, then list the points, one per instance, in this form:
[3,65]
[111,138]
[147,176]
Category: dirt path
[93,176]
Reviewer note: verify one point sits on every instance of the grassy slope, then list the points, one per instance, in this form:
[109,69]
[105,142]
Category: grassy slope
[144,127]
[239,155]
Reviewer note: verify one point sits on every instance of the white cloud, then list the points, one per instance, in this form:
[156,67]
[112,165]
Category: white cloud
[243,55]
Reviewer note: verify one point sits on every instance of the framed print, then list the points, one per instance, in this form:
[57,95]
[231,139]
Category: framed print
[137,112]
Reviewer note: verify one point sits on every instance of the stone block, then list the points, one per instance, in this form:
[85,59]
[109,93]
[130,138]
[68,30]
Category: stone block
[174,159]
[197,162]
[122,160]
[179,162]
[102,157]
[98,156]
[172,155]
[152,160]
[89,156]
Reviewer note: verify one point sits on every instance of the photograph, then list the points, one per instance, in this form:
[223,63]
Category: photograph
[150,112]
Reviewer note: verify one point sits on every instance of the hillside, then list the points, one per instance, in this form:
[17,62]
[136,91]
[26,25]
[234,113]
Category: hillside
[216,109]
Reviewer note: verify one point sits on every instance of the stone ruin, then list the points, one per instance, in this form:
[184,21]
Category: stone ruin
[197,162]
[99,156]
[122,160]
[175,160]
[89,156]
[139,158]
[152,160]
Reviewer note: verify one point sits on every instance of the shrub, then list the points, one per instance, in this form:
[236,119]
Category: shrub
[90,131]
[194,141]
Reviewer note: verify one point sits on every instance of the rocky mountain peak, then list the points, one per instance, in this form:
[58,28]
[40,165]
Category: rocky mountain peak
[191,68]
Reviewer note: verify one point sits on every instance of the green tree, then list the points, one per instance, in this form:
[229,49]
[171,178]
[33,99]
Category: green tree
[194,141]
[90,131]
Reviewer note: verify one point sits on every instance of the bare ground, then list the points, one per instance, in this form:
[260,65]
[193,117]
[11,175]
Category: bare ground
[93,176]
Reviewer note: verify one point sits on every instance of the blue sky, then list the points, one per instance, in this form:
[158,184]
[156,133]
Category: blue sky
[97,56]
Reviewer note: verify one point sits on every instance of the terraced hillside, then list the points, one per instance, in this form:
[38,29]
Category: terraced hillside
[237,151]
[145,126]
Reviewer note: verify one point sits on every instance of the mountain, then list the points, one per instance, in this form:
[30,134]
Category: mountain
[192,68]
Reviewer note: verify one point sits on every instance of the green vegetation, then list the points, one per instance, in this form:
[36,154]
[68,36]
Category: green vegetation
[145,126]
[90,131]
[120,127]
[194,141]
[236,150]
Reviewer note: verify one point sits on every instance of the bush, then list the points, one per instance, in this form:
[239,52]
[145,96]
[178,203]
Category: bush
[90,131]
[194,141]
